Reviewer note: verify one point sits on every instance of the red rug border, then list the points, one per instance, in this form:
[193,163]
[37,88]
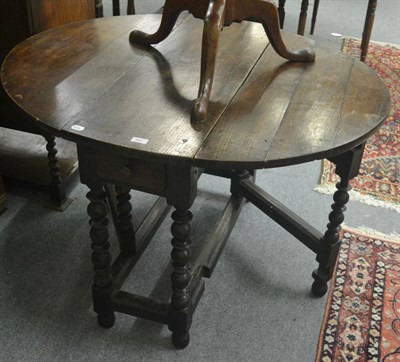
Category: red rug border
[379,236]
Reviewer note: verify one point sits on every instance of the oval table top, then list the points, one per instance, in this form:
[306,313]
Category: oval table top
[85,82]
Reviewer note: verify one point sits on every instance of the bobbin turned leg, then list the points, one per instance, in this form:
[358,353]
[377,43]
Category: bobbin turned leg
[102,283]
[126,233]
[181,276]
[181,192]
[57,188]
[347,167]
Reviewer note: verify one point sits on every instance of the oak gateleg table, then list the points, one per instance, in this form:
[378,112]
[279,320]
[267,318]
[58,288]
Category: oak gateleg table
[127,108]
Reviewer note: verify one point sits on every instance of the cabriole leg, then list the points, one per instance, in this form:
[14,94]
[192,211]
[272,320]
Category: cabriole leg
[171,11]
[213,23]
[267,13]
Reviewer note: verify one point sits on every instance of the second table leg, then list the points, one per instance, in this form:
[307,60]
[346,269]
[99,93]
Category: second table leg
[347,167]
[101,258]
[181,192]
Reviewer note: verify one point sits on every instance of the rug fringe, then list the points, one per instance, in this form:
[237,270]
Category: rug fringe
[372,233]
[357,196]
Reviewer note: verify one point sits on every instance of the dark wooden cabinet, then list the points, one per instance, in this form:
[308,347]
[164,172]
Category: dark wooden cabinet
[22,18]
[46,14]
[14,25]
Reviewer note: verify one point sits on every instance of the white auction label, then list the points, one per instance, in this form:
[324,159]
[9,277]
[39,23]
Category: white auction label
[143,141]
[77,127]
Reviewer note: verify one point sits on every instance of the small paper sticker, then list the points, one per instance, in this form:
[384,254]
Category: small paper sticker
[143,141]
[77,128]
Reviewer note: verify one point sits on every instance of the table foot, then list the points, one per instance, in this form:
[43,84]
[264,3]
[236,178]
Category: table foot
[106,320]
[319,287]
[181,341]
[199,110]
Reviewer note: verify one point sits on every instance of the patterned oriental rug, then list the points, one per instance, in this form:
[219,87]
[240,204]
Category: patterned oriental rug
[362,317]
[379,180]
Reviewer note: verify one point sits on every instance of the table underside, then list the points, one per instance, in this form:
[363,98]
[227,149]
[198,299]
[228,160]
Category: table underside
[177,187]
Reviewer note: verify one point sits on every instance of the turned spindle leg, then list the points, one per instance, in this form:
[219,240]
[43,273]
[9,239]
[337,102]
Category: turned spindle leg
[57,191]
[314,16]
[303,17]
[181,276]
[369,22]
[102,283]
[181,192]
[126,231]
[347,166]
[331,237]
[282,13]
[213,24]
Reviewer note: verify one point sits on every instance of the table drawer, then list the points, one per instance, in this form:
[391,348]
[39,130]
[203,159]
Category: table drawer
[140,175]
